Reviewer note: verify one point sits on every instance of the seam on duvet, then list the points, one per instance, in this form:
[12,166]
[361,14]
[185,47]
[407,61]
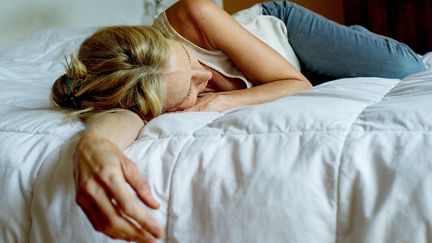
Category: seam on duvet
[276,133]
[237,134]
[33,188]
[169,206]
[30,206]
[338,180]
[35,133]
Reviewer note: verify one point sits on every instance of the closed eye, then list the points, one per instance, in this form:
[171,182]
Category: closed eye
[189,94]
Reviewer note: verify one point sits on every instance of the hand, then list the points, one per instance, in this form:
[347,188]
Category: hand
[101,172]
[209,102]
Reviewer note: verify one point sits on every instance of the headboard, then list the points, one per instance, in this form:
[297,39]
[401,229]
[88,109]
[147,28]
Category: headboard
[20,18]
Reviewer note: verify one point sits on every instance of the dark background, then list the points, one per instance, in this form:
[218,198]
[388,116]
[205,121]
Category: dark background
[409,21]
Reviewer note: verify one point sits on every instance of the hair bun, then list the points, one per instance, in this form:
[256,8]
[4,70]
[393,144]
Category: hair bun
[69,100]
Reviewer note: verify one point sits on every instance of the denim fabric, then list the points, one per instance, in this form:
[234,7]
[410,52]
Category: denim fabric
[328,50]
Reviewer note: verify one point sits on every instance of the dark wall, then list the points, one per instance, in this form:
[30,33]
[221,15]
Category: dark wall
[409,21]
[332,9]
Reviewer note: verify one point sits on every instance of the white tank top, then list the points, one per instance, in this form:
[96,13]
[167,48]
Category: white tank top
[269,29]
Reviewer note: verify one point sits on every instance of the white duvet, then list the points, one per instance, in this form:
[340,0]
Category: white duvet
[349,161]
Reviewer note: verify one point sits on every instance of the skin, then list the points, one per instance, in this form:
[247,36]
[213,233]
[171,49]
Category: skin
[102,170]
[185,78]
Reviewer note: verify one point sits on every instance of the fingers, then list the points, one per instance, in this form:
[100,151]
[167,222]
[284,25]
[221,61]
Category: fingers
[141,187]
[102,193]
[106,218]
[128,205]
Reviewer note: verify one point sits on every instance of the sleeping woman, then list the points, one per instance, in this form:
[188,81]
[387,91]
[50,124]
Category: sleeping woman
[196,57]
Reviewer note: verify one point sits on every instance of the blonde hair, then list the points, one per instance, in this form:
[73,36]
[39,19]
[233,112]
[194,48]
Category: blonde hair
[117,67]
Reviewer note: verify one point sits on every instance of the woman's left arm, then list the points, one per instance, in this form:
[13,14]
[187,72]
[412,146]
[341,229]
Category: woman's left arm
[273,76]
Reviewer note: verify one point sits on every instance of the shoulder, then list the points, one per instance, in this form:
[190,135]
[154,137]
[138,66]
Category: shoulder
[194,19]
[195,8]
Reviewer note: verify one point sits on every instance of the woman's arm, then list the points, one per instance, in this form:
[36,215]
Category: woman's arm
[120,127]
[102,172]
[214,29]
[222,101]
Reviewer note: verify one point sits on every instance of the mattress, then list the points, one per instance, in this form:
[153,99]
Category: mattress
[348,161]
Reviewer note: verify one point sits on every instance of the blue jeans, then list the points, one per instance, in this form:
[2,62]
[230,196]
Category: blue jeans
[328,50]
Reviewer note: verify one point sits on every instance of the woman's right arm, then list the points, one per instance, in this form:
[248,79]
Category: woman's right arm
[102,172]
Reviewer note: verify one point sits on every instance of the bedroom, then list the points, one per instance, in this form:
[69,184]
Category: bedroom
[347,161]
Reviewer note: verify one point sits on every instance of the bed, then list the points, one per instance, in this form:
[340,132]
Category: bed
[348,161]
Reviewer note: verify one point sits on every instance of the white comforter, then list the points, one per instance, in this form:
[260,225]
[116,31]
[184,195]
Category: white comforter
[349,161]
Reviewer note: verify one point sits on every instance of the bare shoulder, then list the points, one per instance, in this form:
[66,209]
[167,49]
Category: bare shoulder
[187,17]
[209,25]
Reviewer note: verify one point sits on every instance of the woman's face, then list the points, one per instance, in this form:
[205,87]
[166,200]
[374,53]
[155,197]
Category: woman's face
[185,78]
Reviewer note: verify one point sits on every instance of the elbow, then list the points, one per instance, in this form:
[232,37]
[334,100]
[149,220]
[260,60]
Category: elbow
[308,85]
[305,84]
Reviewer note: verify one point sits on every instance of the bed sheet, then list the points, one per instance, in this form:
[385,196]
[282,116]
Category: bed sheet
[349,161]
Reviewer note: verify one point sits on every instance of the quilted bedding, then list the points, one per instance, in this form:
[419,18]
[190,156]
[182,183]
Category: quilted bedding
[349,161]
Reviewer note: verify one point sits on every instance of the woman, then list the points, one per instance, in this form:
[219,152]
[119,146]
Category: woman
[195,58]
